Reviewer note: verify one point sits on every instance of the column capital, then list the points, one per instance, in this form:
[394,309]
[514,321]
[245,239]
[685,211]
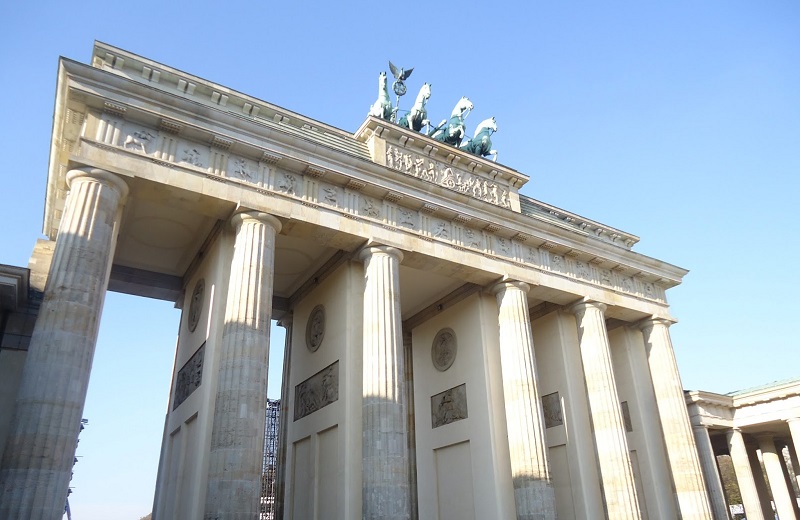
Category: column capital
[105,177]
[373,249]
[649,323]
[505,284]
[244,215]
[730,432]
[581,305]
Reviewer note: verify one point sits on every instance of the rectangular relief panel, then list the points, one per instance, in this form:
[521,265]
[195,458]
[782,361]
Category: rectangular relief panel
[551,409]
[316,392]
[189,377]
[454,483]
[449,406]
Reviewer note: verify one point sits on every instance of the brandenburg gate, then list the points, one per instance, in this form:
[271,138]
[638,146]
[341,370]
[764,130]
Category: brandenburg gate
[455,349]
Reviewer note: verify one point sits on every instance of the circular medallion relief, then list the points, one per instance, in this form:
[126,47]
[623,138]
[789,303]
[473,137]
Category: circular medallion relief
[196,305]
[315,329]
[443,351]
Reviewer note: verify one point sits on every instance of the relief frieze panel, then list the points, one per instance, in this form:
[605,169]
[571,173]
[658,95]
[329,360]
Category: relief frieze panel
[451,178]
[317,392]
[189,377]
[171,148]
[449,406]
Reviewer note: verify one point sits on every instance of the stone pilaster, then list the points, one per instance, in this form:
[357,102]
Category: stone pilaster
[684,463]
[385,461]
[40,450]
[237,439]
[534,494]
[777,482]
[408,354]
[744,476]
[608,429]
[708,462]
[287,323]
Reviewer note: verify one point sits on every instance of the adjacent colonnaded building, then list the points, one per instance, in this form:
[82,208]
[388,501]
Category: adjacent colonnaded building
[455,350]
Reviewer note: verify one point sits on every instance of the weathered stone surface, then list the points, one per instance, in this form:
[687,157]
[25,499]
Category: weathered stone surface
[237,441]
[533,489]
[385,423]
[37,463]
[613,458]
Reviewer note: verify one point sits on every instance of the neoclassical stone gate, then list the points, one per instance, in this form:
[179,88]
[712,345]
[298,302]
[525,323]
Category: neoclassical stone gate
[454,349]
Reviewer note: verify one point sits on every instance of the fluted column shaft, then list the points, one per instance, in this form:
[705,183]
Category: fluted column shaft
[777,481]
[790,485]
[608,429]
[794,449]
[744,476]
[684,463]
[237,439]
[534,494]
[385,460]
[709,464]
[37,465]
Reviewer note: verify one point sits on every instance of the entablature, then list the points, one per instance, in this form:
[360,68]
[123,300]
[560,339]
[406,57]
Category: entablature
[228,156]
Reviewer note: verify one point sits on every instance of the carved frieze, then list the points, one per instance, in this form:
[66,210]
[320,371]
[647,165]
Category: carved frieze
[166,146]
[189,377]
[330,195]
[551,410]
[431,170]
[449,406]
[286,183]
[317,392]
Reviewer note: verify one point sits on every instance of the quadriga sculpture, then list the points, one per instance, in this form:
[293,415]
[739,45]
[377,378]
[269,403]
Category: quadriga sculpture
[454,130]
[481,142]
[383,105]
[417,117]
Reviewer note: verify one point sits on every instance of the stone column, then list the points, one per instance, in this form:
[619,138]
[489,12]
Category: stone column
[237,438]
[761,481]
[777,482]
[39,454]
[794,447]
[684,463]
[534,494]
[608,429]
[708,460]
[744,476]
[283,422]
[385,460]
[793,452]
[790,485]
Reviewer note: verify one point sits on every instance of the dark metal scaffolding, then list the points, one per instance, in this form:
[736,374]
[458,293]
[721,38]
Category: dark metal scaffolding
[270,468]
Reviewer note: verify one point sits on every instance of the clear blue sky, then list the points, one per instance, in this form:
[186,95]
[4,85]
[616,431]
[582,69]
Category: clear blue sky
[677,121]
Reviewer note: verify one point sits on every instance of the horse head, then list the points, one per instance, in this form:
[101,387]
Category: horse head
[463,105]
[425,91]
[485,126]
